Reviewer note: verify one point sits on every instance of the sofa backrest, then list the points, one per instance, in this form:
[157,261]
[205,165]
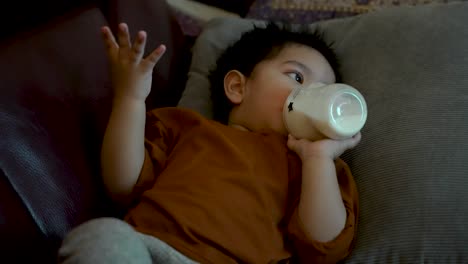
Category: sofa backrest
[55,98]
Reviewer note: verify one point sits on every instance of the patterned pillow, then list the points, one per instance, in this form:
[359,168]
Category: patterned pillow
[308,11]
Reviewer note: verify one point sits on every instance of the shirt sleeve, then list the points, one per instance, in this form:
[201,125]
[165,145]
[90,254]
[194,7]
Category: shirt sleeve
[158,144]
[309,251]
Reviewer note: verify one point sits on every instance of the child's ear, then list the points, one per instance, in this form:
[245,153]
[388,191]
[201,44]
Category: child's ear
[234,86]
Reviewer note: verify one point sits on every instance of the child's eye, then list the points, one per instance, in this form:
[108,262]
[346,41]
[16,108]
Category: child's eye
[296,76]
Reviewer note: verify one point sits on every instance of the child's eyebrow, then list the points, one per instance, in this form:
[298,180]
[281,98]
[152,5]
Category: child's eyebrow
[303,67]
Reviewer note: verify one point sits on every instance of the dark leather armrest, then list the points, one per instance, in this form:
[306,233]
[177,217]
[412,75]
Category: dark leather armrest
[55,99]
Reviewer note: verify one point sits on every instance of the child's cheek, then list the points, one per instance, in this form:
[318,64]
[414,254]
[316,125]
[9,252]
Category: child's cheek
[281,99]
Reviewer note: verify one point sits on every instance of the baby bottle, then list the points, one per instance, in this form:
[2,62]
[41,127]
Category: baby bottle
[335,111]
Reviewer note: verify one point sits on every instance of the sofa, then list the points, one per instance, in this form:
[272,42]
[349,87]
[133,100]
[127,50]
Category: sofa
[411,168]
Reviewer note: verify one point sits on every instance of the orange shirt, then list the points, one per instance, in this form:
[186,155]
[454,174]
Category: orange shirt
[221,195]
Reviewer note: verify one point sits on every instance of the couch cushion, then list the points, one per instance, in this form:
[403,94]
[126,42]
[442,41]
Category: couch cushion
[217,36]
[410,63]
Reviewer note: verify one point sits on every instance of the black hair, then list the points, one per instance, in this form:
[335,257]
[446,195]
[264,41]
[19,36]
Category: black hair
[254,46]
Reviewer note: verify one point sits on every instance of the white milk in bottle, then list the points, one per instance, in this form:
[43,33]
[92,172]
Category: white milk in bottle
[336,111]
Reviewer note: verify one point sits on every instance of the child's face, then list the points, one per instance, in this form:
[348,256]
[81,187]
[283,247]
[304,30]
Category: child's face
[270,83]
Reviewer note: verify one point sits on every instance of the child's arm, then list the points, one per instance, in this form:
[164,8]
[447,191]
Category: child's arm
[123,152]
[321,210]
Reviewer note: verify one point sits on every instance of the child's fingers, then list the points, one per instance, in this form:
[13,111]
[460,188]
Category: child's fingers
[292,143]
[138,47]
[352,142]
[357,139]
[123,38]
[154,57]
[109,40]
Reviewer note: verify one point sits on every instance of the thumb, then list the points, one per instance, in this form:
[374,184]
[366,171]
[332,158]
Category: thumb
[353,141]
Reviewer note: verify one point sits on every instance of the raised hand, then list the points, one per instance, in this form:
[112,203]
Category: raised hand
[131,73]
